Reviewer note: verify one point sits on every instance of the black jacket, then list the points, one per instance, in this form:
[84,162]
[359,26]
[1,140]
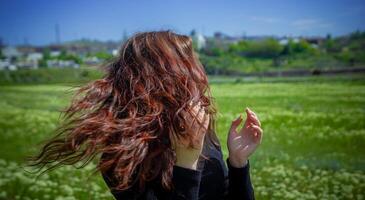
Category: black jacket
[212,180]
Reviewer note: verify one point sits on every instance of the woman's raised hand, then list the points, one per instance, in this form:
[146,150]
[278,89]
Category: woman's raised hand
[242,143]
[185,156]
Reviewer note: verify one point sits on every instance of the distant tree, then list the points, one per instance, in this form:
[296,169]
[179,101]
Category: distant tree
[268,48]
[301,47]
[42,63]
[66,56]
[46,54]
[214,47]
[103,55]
[1,48]
[357,35]
[63,55]
[1,54]
[328,36]
[288,49]
[330,45]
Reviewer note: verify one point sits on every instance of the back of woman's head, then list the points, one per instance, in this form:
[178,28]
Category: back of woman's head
[134,110]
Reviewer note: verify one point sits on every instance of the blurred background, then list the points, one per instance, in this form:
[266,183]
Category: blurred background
[300,65]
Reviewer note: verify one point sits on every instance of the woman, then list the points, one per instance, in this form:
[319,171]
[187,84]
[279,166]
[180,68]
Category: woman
[152,120]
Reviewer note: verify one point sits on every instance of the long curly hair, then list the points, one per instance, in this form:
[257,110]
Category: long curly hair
[133,111]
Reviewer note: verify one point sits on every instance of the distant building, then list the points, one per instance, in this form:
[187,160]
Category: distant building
[315,41]
[226,38]
[35,56]
[11,52]
[32,60]
[55,53]
[115,52]
[25,64]
[7,65]
[198,39]
[92,61]
[12,55]
[27,49]
[62,64]
[285,41]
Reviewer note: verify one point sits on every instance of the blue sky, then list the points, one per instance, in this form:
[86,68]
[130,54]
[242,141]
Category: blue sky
[35,20]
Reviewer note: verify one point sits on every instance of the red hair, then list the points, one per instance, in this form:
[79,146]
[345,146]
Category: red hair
[132,112]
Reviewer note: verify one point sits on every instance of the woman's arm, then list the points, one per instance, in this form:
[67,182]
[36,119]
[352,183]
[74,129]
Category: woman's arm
[239,183]
[186,178]
[186,186]
[186,183]
[242,144]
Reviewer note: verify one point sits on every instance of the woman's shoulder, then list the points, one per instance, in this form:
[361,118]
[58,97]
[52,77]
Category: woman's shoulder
[212,156]
[212,147]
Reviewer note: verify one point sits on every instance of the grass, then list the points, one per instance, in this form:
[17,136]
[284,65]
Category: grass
[313,145]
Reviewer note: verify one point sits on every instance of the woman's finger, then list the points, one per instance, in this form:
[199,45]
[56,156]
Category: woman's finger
[256,120]
[199,117]
[249,119]
[253,117]
[205,121]
[202,128]
[257,128]
[193,112]
[259,132]
[236,123]
[201,113]
[196,108]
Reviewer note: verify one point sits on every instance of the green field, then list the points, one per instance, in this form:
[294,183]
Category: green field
[313,145]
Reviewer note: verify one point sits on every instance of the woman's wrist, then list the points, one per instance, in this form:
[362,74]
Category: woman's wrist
[187,164]
[237,163]
[187,158]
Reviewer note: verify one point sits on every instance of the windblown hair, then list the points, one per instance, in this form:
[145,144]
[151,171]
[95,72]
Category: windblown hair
[133,111]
